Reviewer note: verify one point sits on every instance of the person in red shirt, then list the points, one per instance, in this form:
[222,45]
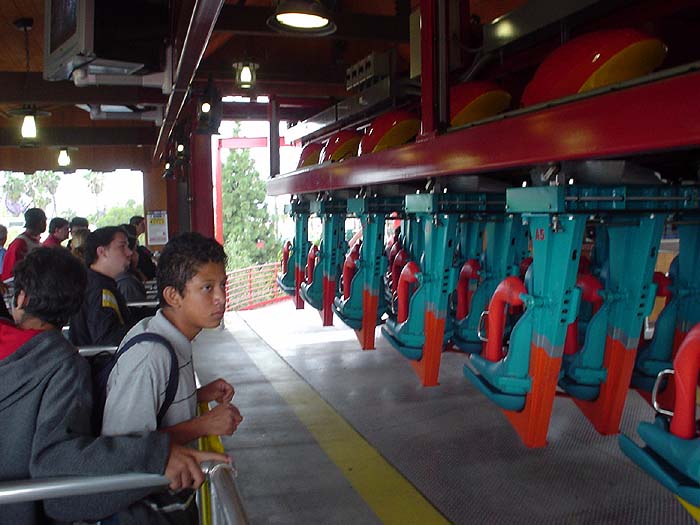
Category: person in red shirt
[58,232]
[25,242]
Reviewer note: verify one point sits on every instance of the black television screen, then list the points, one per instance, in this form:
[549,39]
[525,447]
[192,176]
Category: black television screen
[64,22]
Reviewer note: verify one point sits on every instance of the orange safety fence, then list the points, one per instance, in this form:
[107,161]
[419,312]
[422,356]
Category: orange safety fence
[253,287]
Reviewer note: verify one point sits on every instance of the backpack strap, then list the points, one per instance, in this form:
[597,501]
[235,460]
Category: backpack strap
[174,377]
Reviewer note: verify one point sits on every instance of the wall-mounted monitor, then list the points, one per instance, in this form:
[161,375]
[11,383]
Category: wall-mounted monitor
[117,37]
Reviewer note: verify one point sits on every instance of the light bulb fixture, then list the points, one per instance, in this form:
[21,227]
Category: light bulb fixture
[63,158]
[169,170]
[246,73]
[180,148]
[210,110]
[302,17]
[29,127]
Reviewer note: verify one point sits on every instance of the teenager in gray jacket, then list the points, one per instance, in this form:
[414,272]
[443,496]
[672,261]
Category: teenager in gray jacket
[45,404]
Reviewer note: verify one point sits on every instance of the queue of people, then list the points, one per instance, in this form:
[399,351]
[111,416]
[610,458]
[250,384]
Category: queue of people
[149,416]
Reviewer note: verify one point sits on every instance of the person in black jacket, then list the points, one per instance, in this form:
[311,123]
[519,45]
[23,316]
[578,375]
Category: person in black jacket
[104,317]
[45,405]
[146,265]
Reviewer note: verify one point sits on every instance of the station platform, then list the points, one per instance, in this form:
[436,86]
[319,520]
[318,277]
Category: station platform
[332,434]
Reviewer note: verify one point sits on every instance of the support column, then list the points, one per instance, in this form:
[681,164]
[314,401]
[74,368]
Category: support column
[274,119]
[202,188]
[155,191]
[218,196]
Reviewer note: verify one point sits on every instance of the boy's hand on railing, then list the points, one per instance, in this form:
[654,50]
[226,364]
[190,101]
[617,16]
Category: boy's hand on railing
[222,420]
[219,390]
[183,468]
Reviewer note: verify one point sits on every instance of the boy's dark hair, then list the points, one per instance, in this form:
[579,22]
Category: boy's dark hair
[57,223]
[100,237]
[79,221]
[130,235]
[181,259]
[135,220]
[54,282]
[33,217]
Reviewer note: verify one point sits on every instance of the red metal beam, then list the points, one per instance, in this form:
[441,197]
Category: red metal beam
[248,142]
[651,117]
[199,31]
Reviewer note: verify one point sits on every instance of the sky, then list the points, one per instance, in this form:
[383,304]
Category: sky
[124,185]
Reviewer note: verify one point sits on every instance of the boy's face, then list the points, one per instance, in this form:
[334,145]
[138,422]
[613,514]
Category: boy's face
[116,256]
[204,302]
[61,233]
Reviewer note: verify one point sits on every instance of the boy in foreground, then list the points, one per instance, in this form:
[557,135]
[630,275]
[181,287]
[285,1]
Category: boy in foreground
[192,294]
[45,404]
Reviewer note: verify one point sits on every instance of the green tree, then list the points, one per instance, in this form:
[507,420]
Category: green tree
[116,215]
[249,233]
[26,191]
[95,182]
[48,181]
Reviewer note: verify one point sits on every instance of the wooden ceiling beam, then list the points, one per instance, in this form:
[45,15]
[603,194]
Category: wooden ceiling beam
[20,88]
[82,136]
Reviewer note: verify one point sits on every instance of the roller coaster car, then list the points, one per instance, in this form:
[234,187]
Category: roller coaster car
[312,289]
[582,370]
[285,278]
[472,101]
[389,130]
[503,376]
[310,155]
[592,61]
[406,333]
[340,145]
[656,355]
[671,454]
[349,306]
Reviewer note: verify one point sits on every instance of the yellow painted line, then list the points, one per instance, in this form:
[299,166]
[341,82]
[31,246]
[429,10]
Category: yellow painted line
[385,490]
[692,509]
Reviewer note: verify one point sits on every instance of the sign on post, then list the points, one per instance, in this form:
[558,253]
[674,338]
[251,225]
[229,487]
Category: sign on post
[157,227]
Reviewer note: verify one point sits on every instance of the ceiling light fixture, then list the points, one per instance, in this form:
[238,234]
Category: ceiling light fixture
[28,112]
[246,73]
[302,17]
[63,158]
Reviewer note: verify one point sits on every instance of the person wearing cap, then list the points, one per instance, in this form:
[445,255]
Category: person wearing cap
[25,242]
[58,232]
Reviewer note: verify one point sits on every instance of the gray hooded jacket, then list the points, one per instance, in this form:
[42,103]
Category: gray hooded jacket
[45,410]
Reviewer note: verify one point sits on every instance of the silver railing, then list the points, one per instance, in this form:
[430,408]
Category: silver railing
[227,508]
[65,486]
[226,503]
[88,351]
[140,304]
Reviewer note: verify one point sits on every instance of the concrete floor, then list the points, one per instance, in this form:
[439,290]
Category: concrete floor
[332,434]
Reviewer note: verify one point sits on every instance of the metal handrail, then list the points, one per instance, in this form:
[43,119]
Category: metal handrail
[227,505]
[655,392]
[139,304]
[87,351]
[65,486]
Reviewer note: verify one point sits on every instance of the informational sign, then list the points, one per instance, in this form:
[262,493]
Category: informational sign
[156,228]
